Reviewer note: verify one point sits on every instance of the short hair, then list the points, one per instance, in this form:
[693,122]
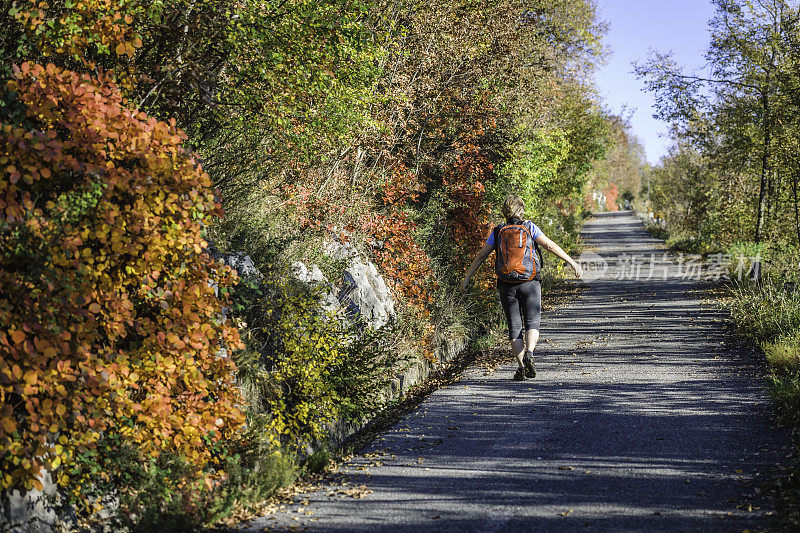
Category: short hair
[513,207]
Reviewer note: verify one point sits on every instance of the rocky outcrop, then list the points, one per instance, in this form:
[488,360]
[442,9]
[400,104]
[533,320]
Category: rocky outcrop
[361,293]
[307,275]
[240,262]
[364,292]
[47,510]
[32,511]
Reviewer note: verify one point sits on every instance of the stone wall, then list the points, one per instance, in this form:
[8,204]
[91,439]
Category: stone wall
[417,372]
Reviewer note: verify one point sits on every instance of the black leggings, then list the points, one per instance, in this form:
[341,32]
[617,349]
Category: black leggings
[521,301]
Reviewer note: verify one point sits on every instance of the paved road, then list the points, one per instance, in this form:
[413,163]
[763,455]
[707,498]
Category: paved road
[642,417]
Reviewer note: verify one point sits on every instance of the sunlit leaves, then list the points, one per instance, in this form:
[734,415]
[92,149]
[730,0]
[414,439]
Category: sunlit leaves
[740,118]
[109,299]
[80,29]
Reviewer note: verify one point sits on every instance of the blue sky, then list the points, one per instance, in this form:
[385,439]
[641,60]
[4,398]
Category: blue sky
[636,26]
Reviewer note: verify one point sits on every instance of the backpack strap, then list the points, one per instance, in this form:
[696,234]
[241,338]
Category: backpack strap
[541,258]
[539,253]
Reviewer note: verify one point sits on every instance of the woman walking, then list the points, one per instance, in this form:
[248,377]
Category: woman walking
[518,266]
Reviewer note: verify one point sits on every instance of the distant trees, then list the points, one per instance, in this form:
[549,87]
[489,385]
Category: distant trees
[622,171]
[742,116]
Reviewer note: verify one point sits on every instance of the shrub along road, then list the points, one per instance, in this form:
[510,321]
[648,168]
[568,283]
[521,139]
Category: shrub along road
[642,416]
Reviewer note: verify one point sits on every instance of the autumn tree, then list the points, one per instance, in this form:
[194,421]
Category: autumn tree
[112,334]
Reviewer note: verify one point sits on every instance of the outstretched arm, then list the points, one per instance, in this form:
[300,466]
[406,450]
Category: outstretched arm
[556,250]
[476,263]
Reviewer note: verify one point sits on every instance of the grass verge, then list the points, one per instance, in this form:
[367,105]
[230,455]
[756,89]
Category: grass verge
[770,315]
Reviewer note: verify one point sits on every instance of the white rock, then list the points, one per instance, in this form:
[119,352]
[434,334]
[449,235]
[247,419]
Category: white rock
[338,250]
[29,511]
[365,292]
[331,304]
[302,273]
[240,262]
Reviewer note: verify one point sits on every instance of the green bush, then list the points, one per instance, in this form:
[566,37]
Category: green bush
[255,470]
[305,368]
[318,461]
[655,230]
[692,244]
[768,310]
[167,497]
[779,261]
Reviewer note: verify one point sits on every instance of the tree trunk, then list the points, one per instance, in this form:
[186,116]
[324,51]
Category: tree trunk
[765,157]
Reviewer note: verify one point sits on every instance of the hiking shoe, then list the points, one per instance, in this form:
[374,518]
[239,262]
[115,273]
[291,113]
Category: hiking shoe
[527,361]
[520,375]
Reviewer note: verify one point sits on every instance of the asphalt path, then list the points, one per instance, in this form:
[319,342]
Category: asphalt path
[644,416]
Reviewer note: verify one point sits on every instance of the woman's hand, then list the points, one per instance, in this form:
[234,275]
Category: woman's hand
[463,286]
[479,259]
[578,269]
[556,250]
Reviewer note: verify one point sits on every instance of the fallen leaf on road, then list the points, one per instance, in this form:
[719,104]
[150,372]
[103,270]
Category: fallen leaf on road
[356,492]
[565,468]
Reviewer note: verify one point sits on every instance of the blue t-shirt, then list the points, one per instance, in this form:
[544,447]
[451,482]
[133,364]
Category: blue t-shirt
[533,228]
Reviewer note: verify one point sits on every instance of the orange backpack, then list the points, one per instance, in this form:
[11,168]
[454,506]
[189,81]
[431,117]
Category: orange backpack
[517,255]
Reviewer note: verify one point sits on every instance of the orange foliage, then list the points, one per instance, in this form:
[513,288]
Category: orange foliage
[398,255]
[395,249]
[109,316]
[612,195]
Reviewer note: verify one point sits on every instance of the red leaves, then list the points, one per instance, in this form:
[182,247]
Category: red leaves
[17,336]
[403,186]
[404,261]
